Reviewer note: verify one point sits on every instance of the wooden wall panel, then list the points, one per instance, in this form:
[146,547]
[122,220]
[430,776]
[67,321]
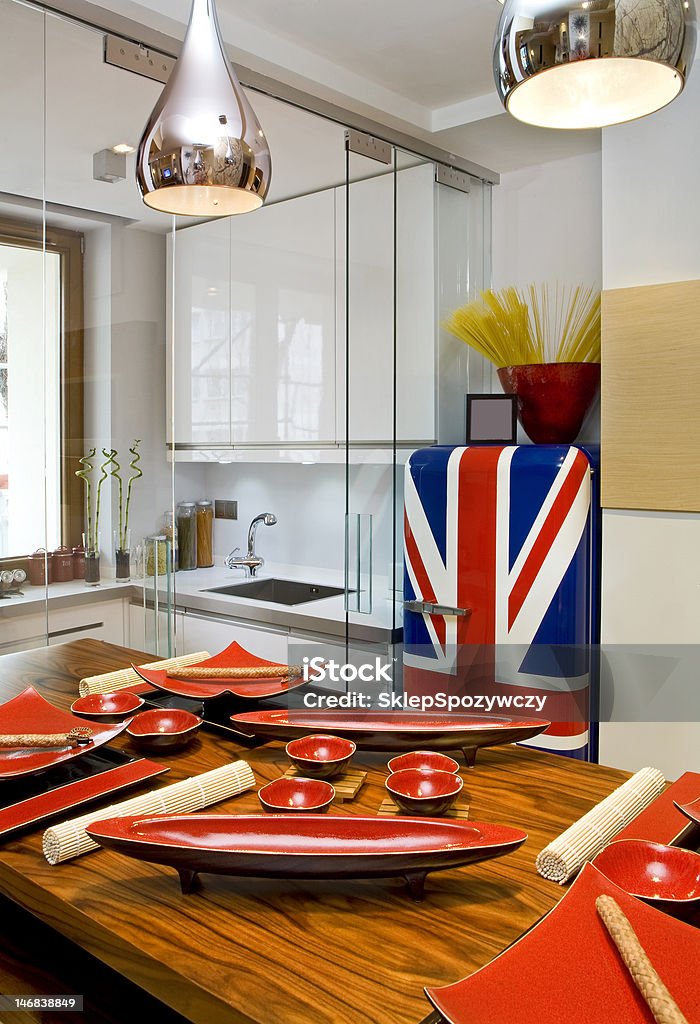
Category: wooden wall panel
[650,398]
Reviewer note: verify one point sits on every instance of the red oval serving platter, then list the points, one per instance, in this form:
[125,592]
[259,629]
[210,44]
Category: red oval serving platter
[28,712]
[234,656]
[567,968]
[690,810]
[306,845]
[377,730]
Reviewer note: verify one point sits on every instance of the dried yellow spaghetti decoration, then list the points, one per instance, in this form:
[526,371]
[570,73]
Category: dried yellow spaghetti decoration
[514,326]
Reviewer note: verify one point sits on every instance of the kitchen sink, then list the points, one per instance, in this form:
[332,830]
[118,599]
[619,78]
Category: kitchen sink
[278,591]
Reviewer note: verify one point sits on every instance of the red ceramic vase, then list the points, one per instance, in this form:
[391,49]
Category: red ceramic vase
[553,398]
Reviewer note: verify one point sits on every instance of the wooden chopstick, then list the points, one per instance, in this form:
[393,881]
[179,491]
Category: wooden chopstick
[254,672]
[652,989]
[74,738]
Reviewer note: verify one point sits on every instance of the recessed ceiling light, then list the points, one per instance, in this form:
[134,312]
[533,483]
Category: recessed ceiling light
[123,147]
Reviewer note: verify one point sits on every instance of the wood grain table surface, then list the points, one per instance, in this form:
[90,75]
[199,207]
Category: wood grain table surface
[270,951]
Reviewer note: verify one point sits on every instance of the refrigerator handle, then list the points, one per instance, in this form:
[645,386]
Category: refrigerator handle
[428,608]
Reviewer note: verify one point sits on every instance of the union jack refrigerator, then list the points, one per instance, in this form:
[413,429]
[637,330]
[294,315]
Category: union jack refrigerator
[501,585]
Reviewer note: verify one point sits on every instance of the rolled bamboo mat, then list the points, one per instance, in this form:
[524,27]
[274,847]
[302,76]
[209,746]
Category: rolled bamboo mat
[108,682]
[566,855]
[69,839]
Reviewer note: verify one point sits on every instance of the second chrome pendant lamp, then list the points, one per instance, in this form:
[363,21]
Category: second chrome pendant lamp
[203,152]
[592,63]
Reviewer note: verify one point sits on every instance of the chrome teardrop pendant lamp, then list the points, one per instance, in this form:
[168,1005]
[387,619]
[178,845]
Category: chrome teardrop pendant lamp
[592,63]
[203,152]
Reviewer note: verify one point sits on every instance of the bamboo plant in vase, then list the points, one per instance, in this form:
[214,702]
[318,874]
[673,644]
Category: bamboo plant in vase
[122,535]
[91,536]
[546,347]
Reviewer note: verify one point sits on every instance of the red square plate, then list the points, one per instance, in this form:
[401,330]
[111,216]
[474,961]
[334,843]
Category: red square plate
[28,712]
[567,968]
[234,656]
[661,821]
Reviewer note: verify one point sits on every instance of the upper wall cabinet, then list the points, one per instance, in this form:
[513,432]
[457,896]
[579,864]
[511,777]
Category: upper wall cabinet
[389,297]
[254,325]
[261,358]
[202,346]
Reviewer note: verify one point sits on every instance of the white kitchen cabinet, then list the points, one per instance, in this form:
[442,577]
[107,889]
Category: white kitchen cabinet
[101,620]
[371,295]
[260,317]
[215,633]
[283,323]
[200,260]
[254,334]
[144,625]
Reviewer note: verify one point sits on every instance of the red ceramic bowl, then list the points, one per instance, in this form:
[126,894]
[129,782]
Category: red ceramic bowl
[666,877]
[164,729]
[320,755]
[107,707]
[423,759]
[314,796]
[424,790]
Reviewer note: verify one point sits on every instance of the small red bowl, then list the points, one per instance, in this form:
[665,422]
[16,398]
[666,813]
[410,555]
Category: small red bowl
[163,729]
[424,790]
[314,796]
[423,759]
[320,755]
[667,877]
[107,707]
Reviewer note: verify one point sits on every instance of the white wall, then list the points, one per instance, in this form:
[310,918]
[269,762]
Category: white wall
[125,369]
[309,502]
[547,228]
[547,224]
[651,561]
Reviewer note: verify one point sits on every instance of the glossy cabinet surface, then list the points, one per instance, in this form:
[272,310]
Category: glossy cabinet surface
[260,319]
[201,303]
[384,300]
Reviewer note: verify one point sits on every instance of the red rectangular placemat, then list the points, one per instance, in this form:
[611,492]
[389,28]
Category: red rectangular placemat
[45,805]
[661,822]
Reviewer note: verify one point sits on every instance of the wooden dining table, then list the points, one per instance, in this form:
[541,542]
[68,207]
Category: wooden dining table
[276,951]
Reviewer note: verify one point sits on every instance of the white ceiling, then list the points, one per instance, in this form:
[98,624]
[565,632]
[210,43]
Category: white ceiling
[91,106]
[424,67]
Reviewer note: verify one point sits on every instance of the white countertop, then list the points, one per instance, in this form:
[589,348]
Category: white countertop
[326,616]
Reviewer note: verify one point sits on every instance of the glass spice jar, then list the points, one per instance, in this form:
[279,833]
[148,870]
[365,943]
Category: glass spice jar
[169,530]
[187,535]
[205,534]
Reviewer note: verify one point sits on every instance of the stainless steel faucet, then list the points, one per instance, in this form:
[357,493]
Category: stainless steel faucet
[250,562]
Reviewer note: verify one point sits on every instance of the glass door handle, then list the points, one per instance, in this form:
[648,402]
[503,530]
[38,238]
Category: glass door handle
[428,608]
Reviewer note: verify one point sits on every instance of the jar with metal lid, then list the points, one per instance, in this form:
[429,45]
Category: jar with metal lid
[38,564]
[62,565]
[79,562]
[187,535]
[205,534]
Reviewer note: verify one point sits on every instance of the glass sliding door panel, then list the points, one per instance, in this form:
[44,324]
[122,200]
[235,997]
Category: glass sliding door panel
[30,371]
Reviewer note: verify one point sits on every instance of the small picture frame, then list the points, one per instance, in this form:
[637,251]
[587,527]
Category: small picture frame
[492,419]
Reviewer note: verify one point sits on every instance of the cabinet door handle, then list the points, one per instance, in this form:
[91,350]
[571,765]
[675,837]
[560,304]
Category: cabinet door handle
[428,608]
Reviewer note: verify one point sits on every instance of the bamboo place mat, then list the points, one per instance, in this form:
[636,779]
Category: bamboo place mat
[69,839]
[346,785]
[459,810]
[566,855]
[125,678]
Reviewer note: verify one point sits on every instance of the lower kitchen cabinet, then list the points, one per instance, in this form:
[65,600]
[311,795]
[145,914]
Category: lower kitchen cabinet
[148,631]
[100,620]
[214,633]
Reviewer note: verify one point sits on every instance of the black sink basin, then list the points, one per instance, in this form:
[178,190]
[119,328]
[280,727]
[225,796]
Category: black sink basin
[278,591]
